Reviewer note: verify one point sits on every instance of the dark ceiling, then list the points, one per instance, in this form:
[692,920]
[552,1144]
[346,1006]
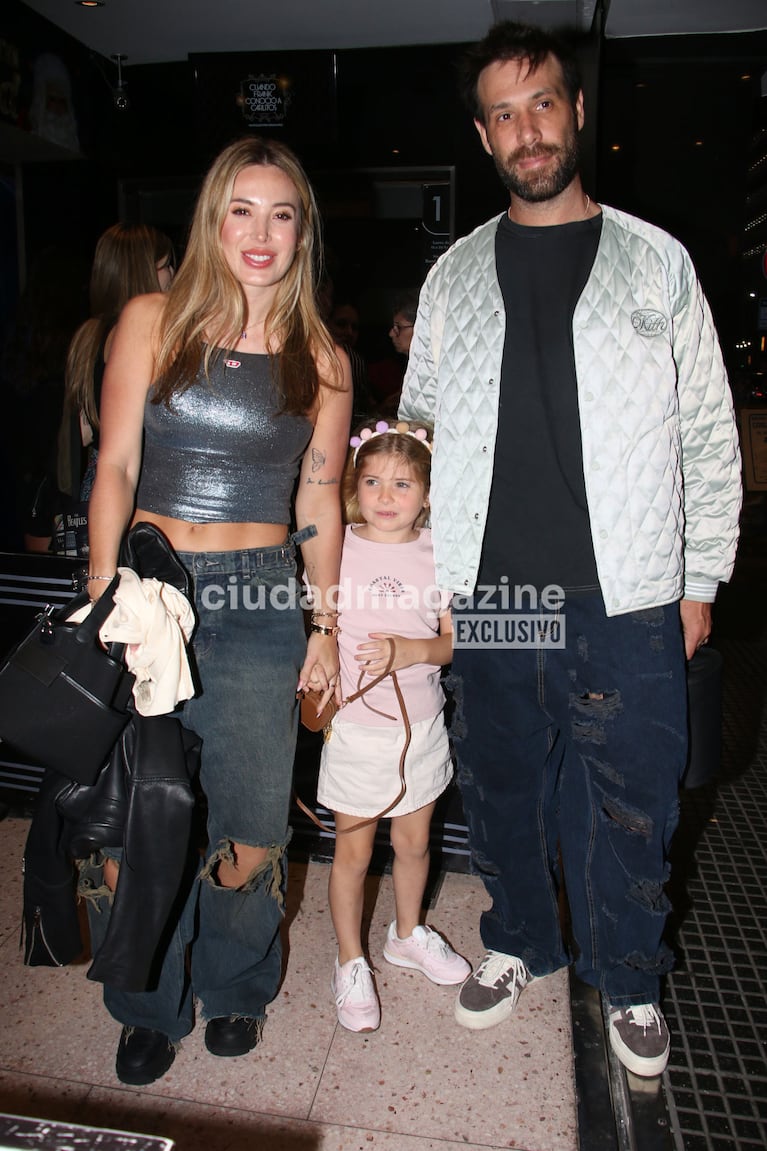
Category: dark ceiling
[152,31]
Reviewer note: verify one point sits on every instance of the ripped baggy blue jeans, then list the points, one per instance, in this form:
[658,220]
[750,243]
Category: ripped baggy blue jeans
[248,648]
[569,762]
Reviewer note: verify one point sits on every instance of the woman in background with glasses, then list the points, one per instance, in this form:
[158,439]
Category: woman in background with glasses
[401,330]
[386,375]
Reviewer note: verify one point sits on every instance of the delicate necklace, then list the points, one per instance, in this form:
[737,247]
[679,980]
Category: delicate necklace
[244,333]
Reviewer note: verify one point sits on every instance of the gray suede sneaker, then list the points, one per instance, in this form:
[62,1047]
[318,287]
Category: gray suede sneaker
[639,1037]
[490,994]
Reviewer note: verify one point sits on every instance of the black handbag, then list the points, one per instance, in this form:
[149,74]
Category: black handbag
[141,799]
[64,698]
[147,551]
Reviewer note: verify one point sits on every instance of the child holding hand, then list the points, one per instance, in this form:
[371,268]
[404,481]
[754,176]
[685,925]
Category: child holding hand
[392,619]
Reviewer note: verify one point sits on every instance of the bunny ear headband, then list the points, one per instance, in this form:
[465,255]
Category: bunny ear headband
[383,427]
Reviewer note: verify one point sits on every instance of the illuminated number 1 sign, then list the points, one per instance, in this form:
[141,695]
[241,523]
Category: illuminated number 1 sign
[435,220]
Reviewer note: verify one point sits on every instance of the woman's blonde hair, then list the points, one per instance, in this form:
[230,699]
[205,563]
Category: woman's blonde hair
[413,451]
[124,265]
[206,308]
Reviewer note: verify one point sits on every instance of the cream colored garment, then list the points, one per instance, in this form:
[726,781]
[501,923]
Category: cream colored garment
[155,621]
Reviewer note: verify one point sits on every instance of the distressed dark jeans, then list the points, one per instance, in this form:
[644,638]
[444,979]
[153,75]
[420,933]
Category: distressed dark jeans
[225,947]
[574,755]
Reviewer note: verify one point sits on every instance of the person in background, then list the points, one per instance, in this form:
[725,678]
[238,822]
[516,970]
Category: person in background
[344,325]
[403,320]
[586,475]
[391,615]
[130,260]
[221,396]
[386,374]
[51,307]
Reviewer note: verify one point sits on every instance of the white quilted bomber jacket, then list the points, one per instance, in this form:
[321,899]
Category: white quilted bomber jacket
[660,447]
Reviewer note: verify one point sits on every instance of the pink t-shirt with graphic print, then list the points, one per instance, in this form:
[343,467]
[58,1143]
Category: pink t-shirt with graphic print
[389,588]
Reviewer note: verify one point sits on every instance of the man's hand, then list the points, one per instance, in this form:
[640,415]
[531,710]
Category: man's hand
[696,624]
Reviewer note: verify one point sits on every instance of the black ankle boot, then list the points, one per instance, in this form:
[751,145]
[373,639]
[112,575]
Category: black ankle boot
[143,1056]
[232,1034]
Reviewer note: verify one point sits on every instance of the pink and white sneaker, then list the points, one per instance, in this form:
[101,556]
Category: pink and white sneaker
[427,952]
[356,999]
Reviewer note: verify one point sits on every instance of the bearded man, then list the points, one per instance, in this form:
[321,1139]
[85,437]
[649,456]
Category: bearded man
[585,498]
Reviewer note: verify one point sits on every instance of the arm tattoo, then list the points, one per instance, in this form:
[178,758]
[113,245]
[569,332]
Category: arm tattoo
[318,459]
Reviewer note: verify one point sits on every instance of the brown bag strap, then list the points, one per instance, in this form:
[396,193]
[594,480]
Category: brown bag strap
[361,691]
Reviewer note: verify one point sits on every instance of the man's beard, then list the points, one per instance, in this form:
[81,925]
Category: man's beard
[540,185]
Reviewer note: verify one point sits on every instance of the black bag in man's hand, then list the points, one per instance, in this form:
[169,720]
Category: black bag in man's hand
[63,697]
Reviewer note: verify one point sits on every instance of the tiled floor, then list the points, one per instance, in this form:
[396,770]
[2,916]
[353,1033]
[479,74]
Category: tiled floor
[716,1000]
[419,1083]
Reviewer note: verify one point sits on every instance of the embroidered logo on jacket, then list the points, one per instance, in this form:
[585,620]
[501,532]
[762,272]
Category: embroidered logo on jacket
[233,363]
[648,323]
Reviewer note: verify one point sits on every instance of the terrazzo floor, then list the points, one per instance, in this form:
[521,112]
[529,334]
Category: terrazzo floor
[420,1082]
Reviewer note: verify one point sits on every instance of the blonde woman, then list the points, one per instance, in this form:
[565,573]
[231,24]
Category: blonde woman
[235,389]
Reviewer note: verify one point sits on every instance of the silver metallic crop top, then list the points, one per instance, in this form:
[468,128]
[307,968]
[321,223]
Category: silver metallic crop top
[223,453]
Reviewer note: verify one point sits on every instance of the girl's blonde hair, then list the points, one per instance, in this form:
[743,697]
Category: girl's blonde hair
[206,308]
[402,444]
[124,265]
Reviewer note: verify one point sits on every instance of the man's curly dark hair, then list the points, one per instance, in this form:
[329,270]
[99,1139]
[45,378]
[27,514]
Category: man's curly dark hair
[510,41]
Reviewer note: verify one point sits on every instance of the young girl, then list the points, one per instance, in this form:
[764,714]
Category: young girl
[389,610]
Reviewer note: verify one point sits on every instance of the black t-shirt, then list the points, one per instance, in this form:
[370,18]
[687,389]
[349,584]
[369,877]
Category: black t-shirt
[538,524]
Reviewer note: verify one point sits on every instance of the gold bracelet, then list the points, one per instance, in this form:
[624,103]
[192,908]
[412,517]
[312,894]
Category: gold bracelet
[320,629]
[321,613]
